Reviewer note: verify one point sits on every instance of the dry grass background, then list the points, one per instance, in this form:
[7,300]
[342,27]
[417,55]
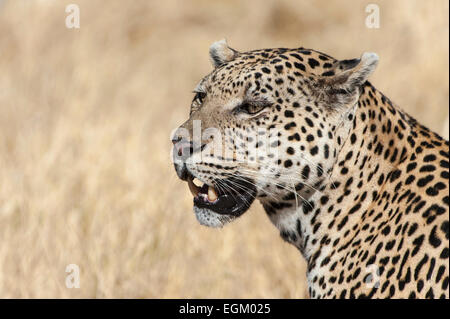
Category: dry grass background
[85,118]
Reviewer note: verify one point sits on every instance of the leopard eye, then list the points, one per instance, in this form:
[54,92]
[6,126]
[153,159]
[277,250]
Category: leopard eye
[250,108]
[199,97]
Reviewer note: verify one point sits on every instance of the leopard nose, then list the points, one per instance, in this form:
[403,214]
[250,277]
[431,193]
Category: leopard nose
[176,139]
[181,152]
[183,149]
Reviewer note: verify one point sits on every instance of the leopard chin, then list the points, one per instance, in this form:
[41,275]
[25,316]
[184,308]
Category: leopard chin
[207,217]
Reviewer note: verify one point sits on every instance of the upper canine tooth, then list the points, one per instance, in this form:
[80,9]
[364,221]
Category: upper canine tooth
[197,182]
[212,195]
[192,187]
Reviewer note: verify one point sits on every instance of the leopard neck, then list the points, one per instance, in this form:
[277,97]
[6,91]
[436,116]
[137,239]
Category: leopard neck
[376,142]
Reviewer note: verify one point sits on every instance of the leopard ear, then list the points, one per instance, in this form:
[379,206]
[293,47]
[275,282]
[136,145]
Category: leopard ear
[349,74]
[343,82]
[221,53]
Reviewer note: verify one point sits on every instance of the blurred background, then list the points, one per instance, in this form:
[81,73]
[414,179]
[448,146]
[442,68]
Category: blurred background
[85,119]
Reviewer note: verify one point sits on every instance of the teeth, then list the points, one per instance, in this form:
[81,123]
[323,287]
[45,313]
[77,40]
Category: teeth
[197,182]
[212,195]
[193,188]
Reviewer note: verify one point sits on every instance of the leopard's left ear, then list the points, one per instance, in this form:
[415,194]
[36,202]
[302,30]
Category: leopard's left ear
[342,83]
[349,74]
[221,53]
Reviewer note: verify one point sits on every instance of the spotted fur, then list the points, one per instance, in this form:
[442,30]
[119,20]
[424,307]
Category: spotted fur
[360,187]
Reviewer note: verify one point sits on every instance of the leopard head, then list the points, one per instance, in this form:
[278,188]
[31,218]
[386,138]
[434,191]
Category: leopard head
[265,124]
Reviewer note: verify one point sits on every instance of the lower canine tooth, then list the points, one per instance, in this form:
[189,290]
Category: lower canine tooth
[212,195]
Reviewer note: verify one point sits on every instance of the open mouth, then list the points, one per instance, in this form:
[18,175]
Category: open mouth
[233,197]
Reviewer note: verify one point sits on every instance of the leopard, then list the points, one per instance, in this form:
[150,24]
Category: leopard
[354,182]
